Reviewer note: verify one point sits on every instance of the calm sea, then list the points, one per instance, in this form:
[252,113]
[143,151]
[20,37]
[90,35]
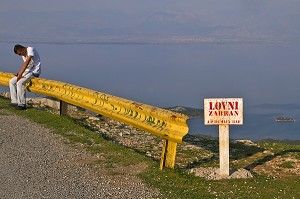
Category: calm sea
[171,75]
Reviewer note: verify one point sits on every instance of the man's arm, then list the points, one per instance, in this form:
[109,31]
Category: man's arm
[27,61]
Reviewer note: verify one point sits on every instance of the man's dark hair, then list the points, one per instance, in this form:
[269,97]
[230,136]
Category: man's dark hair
[18,47]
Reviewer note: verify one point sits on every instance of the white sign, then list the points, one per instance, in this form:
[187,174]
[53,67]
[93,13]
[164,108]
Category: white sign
[223,112]
[218,111]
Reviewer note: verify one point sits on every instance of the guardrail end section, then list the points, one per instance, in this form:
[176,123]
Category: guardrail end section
[168,154]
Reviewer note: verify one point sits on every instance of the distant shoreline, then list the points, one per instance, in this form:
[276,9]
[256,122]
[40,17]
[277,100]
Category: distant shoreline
[192,113]
[144,40]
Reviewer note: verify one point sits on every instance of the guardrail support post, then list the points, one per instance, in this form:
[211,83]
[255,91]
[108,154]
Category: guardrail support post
[168,154]
[63,108]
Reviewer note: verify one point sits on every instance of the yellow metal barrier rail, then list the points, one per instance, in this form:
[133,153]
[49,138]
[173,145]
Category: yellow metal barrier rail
[166,124]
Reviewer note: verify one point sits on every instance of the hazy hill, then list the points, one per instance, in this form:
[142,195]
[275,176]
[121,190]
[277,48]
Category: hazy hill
[277,106]
[191,112]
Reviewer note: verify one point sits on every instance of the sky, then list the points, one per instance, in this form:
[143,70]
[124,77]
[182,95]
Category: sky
[273,22]
[90,20]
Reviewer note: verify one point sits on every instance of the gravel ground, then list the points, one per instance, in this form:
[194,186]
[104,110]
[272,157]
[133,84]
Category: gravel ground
[34,163]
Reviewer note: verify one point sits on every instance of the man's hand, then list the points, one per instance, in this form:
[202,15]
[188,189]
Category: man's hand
[19,77]
[24,66]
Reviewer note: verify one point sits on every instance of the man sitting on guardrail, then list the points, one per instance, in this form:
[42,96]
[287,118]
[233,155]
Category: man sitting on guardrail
[31,68]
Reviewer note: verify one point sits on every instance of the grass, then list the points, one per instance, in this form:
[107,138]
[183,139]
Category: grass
[287,164]
[177,183]
[298,156]
[181,185]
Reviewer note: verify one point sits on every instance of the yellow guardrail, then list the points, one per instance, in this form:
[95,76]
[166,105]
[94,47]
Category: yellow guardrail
[168,125]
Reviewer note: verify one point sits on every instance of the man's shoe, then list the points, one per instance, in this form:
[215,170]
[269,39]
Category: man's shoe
[20,107]
[13,105]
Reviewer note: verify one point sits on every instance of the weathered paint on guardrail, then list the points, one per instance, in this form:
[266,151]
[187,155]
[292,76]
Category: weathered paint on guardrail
[166,124]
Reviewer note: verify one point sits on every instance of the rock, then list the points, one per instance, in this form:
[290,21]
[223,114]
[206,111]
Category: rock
[211,173]
[6,94]
[148,153]
[268,152]
[241,173]
[245,142]
[94,118]
[126,132]
[191,147]
[102,130]
[44,101]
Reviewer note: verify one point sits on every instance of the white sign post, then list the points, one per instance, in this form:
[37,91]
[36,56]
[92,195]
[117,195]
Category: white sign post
[223,112]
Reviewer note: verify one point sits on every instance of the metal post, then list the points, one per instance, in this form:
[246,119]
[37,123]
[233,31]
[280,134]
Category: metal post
[63,110]
[168,154]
